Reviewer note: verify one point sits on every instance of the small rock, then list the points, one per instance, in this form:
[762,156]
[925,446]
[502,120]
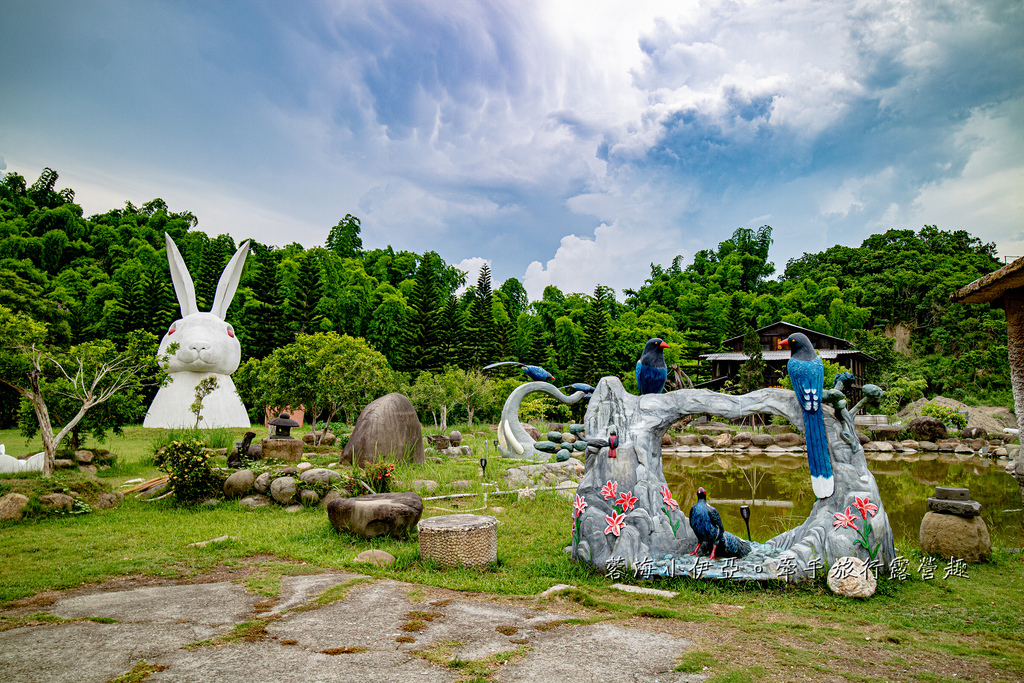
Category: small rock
[911,444]
[562,455]
[255,501]
[742,438]
[105,501]
[555,589]
[973,433]
[287,471]
[849,576]
[465,450]
[375,557]
[723,440]
[576,428]
[328,497]
[262,482]
[283,490]
[426,485]
[927,446]
[569,438]
[925,428]
[532,431]
[963,508]
[461,484]
[435,459]
[57,501]
[1000,452]
[626,588]
[527,494]
[496,509]
[87,469]
[320,475]
[293,508]
[952,493]
[239,483]
[438,442]
[761,440]
[83,457]
[964,449]
[210,502]
[303,466]
[789,440]
[688,440]
[863,438]
[308,497]
[11,505]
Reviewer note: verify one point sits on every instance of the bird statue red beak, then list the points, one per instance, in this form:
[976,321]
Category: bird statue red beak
[784,342]
[663,345]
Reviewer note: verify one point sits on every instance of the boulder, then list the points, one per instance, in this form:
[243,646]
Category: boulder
[328,497]
[567,437]
[666,440]
[262,482]
[388,428]
[976,444]
[563,454]
[707,440]
[778,429]
[927,446]
[426,485]
[532,431]
[320,475]
[328,437]
[63,464]
[954,536]
[455,437]
[962,508]
[83,457]
[723,440]
[461,484]
[282,449]
[283,490]
[87,469]
[849,576]
[789,440]
[378,514]
[308,497]
[11,505]
[973,433]
[911,444]
[863,438]
[926,428]
[742,438]
[688,440]
[761,440]
[57,501]
[105,501]
[239,483]
[255,501]
[437,441]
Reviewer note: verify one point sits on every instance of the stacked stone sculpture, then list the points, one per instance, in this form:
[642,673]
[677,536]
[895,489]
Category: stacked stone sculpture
[624,514]
[953,527]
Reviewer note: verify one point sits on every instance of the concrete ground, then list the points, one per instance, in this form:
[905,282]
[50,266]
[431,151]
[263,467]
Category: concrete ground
[289,637]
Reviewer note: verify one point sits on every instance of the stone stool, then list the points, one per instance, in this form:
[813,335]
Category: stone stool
[459,539]
[952,526]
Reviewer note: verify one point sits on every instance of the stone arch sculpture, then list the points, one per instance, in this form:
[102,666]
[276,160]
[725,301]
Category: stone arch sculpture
[206,345]
[655,534]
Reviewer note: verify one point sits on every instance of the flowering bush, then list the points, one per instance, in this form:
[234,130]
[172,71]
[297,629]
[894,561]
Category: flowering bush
[379,475]
[188,465]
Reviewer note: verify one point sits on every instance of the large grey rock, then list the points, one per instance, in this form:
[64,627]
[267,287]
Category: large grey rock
[378,514]
[283,490]
[83,457]
[789,440]
[925,428]
[388,428]
[973,433]
[947,536]
[761,440]
[105,500]
[239,483]
[328,497]
[320,475]
[309,497]
[723,440]
[11,505]
[849,576]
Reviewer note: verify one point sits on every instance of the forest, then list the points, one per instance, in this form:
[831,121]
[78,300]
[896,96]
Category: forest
[104,279]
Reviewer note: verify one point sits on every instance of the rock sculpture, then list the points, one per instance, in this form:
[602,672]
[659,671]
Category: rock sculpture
[648,534]
[206,346]
[387,428]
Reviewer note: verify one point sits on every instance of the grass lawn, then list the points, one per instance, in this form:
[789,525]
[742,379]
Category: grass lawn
[940,630]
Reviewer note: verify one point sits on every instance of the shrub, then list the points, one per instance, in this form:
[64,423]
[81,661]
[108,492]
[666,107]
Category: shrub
[379,475]
[948,415]
[188,464]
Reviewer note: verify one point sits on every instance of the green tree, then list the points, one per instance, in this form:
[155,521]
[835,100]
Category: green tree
[344,239]
[751,374]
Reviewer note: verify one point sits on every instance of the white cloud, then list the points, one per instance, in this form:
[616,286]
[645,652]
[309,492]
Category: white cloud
[471,267]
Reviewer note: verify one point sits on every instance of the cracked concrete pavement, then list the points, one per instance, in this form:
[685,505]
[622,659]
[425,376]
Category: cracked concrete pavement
[157,623]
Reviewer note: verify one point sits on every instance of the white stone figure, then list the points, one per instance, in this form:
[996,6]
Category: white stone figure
[206,346]
[9,465]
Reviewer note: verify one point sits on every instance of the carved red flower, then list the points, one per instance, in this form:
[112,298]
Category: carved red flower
[865,506]
[844,520]
[610,490]
[578,506]
[616,521]
[666,497]
[626,500]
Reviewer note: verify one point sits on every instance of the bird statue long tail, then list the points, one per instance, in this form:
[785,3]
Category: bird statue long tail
[807,373]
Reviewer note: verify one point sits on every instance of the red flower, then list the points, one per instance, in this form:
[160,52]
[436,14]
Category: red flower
[610,490]
[578,506]
[615,523]
[627,500]
[666,497]
[865,506]
[844,520]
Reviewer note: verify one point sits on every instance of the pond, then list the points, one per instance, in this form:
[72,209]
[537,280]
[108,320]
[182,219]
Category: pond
[781,489]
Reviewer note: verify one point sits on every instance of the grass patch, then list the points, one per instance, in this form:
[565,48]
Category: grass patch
[138,673]
[440,654]
[344,650]
[405,639]
[695,661]
[506,630]
[246,632]
[8,622]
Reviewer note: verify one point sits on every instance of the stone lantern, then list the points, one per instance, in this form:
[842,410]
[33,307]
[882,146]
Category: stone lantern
[283,425]
[281,444]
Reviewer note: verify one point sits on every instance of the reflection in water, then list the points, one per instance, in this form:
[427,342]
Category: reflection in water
[734,479]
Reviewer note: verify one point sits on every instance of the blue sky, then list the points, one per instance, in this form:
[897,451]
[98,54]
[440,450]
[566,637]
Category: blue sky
[567,143]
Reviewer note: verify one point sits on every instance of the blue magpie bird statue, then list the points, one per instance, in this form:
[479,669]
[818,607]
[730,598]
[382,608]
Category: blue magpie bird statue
[707,527]
[534,372]
[651,371]
[808,375]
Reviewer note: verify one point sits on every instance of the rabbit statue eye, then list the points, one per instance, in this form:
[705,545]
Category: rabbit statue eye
[231,332]
[171,331]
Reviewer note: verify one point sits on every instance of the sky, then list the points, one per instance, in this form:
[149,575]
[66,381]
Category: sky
[562,142]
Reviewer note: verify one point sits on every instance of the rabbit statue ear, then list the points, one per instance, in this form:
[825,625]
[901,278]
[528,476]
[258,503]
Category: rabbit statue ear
[229,282]
[183,287]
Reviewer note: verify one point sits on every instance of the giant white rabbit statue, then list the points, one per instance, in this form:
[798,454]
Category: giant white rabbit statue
[207,345]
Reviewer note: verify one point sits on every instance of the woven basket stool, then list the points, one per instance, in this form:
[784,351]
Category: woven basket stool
[454,539]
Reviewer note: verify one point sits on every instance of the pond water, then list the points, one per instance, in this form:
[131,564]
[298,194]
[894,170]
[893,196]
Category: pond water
[781,489]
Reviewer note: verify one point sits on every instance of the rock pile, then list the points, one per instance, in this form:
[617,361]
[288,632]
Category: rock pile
[953,526]
[544,474]
[281,487]
[562,444]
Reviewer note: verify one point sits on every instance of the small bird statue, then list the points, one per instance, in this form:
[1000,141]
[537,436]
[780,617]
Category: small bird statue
[707,527]
[808,374]
[651,371]
[587,390]
[534,372]
[611,443]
